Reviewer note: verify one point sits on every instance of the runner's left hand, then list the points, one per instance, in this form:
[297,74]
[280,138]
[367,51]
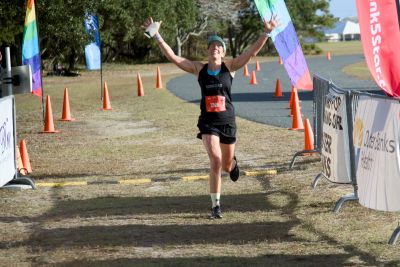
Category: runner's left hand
[269,26]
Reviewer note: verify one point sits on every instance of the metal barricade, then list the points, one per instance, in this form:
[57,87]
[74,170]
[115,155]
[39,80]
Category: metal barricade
[320,90]
[355,95]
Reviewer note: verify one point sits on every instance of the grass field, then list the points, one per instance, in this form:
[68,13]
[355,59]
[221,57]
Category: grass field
[341,48]
[269,220]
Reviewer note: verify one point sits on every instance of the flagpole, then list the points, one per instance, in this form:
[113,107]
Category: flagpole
[40,60]
[101,54]
[101,71]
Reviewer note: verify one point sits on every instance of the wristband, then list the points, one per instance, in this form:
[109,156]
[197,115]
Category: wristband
[268,34]
[157,37]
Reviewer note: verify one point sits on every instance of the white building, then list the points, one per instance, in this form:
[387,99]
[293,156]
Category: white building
[344,30]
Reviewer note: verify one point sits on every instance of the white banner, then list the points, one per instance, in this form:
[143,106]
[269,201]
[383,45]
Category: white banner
[335,140]
[376,142]
[7,149]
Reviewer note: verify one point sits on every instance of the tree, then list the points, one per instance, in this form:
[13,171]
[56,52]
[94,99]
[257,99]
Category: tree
[194,23]
[12,27]
[124,37]
[310,16]
[239,22]
[61,31]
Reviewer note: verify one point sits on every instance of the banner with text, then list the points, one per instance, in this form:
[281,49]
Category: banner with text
[7,149]
[376,137]
[380,36]
[335,139]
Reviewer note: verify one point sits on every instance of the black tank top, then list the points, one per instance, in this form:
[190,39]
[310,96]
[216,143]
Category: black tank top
[216,100]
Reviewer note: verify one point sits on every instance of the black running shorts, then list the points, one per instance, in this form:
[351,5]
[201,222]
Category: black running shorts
[226,132]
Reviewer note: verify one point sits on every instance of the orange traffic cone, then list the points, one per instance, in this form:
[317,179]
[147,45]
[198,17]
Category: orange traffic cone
[297,122]
[106,99]
[159,81]
[24,156]
[328,55]
[48,120]
[253,79]
[246,71]
[140,90]
[20,165]
[280,61]
[295,96]
[66,114]
[278,89]
[308,136]
[291,99]
[258,66]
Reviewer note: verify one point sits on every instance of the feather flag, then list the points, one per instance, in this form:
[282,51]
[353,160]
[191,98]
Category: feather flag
[92,50]
[380,36]
[30,48]
[286,42]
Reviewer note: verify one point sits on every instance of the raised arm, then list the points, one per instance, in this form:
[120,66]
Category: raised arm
[183,63]
[244,58]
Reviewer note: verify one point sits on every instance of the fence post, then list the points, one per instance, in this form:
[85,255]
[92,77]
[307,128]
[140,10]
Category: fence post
[350,122]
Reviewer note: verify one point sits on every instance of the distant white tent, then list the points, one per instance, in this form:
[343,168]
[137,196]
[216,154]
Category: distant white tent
[344,30]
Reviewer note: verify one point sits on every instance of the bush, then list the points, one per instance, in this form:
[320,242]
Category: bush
[311,49]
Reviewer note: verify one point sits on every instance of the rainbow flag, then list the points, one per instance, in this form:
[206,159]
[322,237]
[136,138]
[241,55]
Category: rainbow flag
[286,42]
[30,48]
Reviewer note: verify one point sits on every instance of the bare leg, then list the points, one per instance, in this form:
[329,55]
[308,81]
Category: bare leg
[212,146]
[228,151]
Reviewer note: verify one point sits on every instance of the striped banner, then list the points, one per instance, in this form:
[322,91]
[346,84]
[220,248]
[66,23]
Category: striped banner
[30,48]
[286,42]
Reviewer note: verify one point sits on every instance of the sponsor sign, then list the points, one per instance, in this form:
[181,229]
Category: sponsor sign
[7,147]
[335,140]
[376,137]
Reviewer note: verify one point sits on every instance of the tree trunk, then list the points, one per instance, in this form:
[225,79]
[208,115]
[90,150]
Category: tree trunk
[232,40]
[71,59]
[178,46]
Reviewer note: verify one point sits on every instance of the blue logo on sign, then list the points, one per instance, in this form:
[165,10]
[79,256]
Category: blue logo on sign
[5,137]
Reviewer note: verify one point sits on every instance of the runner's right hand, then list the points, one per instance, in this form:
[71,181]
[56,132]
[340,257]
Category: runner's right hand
[151,27]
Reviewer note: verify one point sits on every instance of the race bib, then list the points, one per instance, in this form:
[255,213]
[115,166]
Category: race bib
[215,103]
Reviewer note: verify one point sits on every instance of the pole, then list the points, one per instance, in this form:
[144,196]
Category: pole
[101,62]
[8,90]
[40,60]
[101,76]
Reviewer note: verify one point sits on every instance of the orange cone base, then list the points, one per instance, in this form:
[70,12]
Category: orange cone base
[278,96]
[55,131]
[296,129]
[106,109]
[70,119]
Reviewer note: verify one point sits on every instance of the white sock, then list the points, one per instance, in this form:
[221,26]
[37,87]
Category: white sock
[215,199]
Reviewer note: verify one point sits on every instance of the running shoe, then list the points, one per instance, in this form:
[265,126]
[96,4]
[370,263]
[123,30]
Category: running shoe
[216,213]
[235,172]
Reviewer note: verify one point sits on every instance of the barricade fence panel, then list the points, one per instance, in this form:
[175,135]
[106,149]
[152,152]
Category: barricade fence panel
[321,88]
[335,137]
[377,151]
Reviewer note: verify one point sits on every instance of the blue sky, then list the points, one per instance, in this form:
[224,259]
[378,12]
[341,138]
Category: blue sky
[343,8]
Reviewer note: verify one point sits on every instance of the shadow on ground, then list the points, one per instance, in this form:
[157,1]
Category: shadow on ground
[265,260]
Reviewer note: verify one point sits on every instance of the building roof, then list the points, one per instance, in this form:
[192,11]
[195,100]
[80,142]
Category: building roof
[344,27]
